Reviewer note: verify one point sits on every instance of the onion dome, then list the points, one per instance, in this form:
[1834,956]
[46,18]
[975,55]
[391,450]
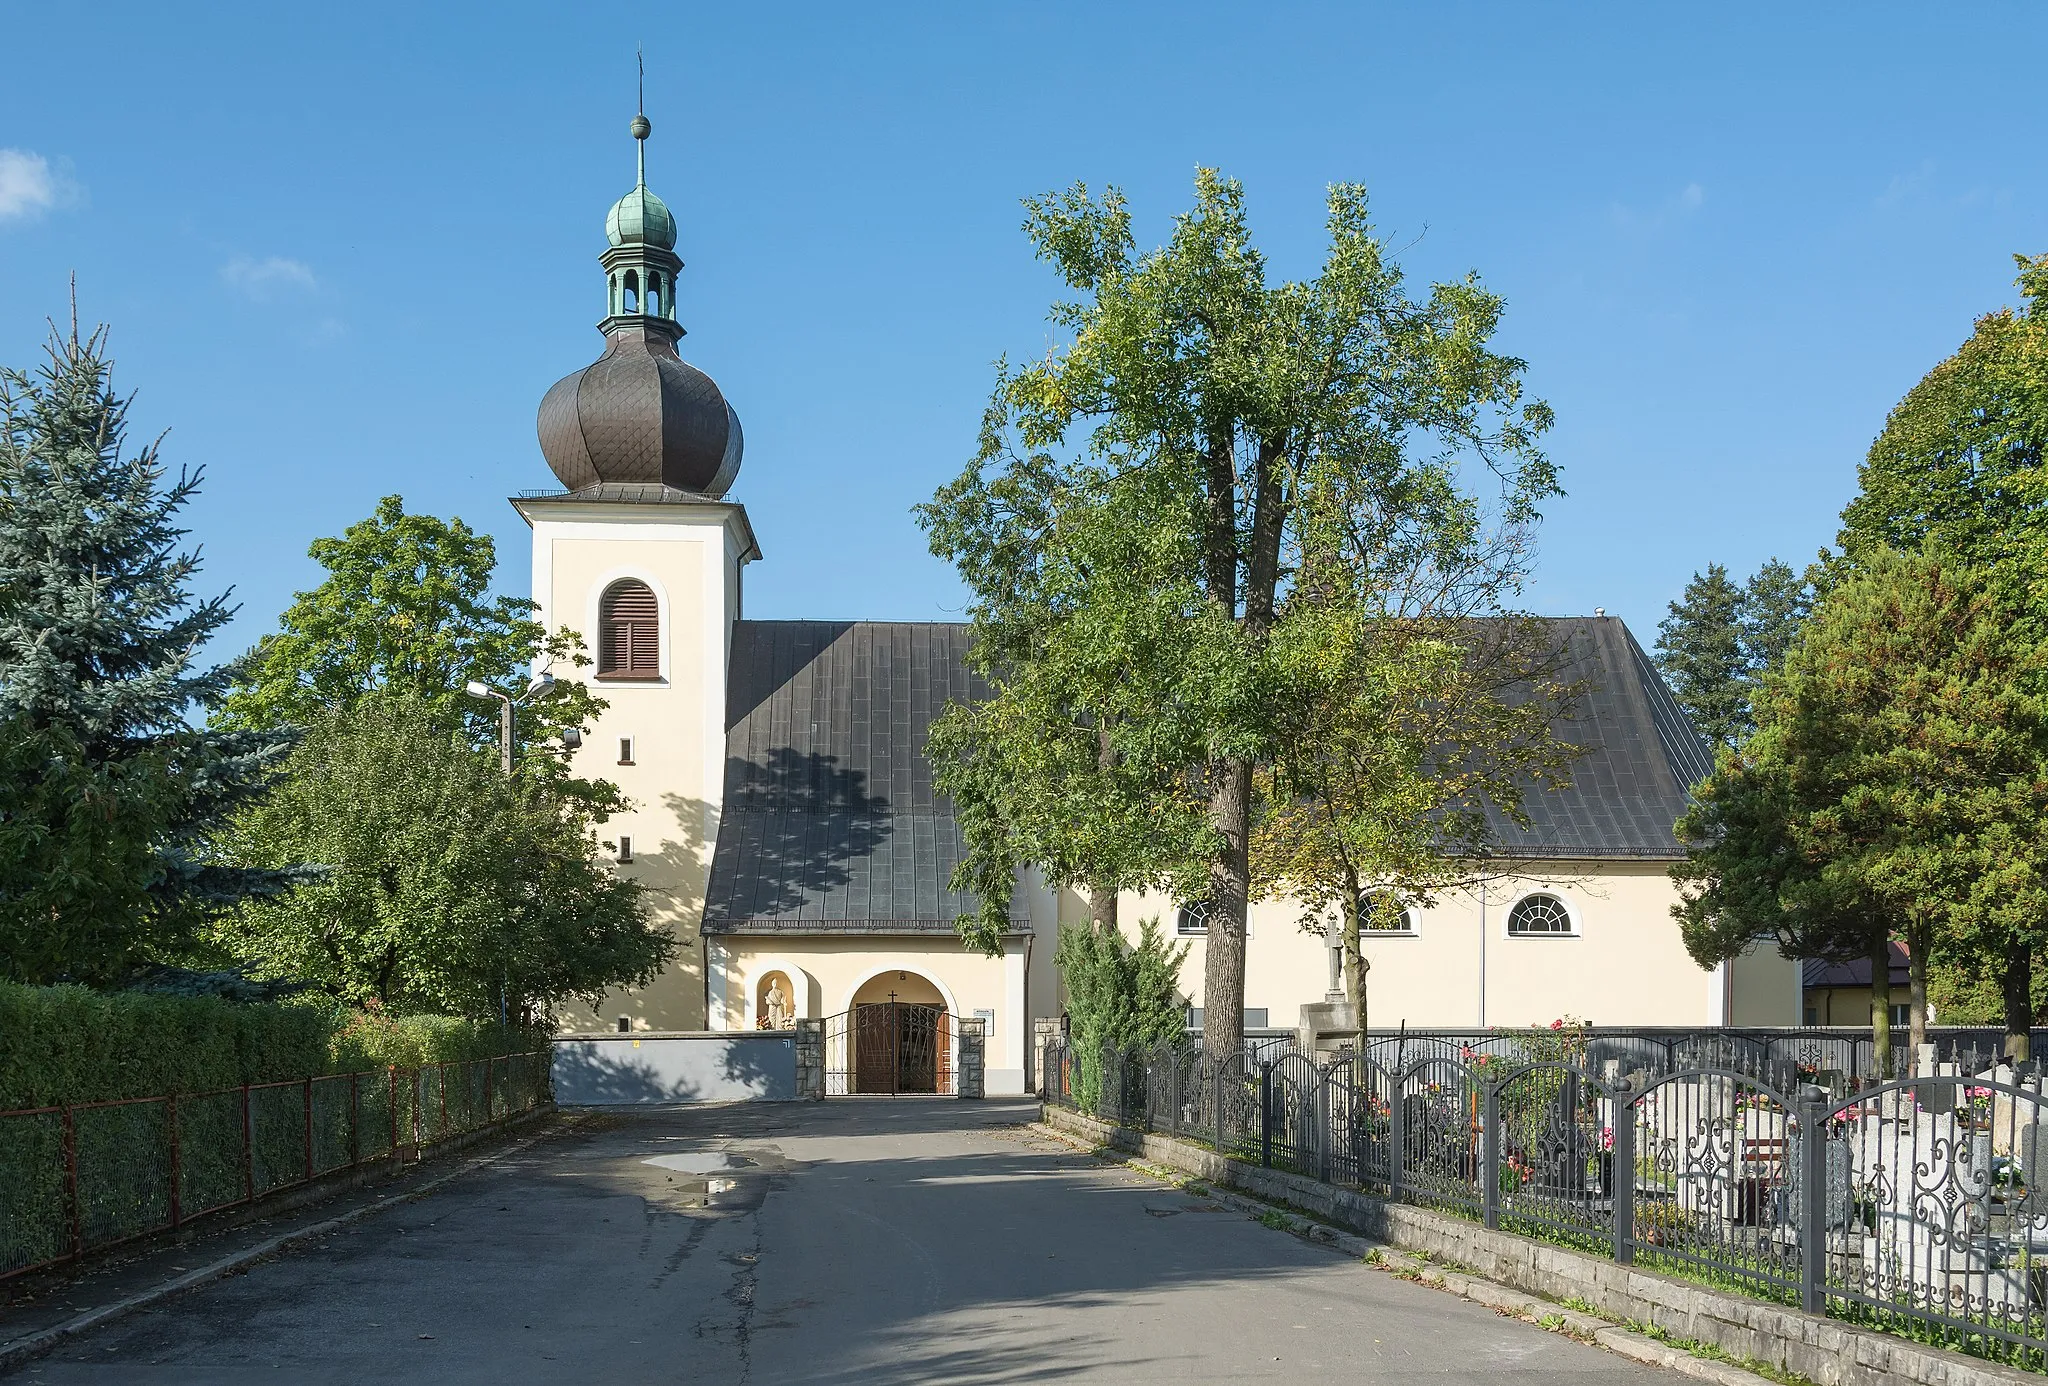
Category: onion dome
[640,218]
[640,413]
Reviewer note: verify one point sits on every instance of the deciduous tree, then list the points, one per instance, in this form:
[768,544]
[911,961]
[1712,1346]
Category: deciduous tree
[448,886]
[1154,488]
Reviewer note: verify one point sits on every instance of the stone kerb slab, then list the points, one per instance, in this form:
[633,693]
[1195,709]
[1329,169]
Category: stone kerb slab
[1825,1350]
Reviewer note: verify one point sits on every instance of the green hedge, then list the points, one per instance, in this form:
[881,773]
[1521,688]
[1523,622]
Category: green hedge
[71,1044]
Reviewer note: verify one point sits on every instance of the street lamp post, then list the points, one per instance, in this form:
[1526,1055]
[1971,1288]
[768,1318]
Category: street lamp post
[541,684]
[476,688]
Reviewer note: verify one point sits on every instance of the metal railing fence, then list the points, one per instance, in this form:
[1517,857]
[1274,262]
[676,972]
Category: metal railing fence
[92,1175]
[1918,1206]
[1785,1055]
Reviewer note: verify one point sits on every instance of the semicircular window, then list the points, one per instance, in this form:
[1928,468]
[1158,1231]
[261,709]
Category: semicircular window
[1539,916]
[629,634]
[1193,918]
[1381,911]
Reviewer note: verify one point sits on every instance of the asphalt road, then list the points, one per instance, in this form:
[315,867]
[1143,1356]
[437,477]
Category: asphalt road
[860,1241]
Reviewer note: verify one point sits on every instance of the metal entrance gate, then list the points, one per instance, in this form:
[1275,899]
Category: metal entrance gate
[890,1048]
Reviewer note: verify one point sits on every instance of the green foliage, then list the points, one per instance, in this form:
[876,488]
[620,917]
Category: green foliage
[1960,461]
[1720,640]
[1161,508]
[1699,650]
[406,610]
[110,800]
[371,1039]
[449,886]
[1118,995]
[1398,738]
[68,1044]
[1897,781]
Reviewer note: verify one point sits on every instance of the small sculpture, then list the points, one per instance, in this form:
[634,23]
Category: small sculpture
[777,1005]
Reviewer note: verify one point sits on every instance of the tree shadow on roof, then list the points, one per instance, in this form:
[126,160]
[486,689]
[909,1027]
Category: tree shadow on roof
[795,830]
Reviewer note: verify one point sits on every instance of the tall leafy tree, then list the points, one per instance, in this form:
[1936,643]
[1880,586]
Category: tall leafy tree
[1404,741]
[1147,497]
[111,800]
[1960,461]
[1900,753]
[1962,465]
[406,609]
[448,885]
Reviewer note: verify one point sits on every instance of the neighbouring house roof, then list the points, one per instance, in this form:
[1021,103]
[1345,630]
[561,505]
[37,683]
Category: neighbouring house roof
[831,823]
[1816,973]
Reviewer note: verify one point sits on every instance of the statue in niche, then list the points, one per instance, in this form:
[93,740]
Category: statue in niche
[776,1005]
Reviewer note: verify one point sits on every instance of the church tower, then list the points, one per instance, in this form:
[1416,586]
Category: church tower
[641,555]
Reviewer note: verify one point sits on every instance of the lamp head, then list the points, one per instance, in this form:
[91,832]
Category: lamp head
[480,690]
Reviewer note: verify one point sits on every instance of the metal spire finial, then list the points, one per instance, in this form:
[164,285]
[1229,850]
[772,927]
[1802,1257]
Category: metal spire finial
[642,127]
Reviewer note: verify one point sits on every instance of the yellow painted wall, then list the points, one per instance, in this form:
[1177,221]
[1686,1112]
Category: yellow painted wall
[690,556]
[836,972]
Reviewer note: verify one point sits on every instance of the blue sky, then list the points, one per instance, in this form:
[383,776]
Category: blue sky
[345,249]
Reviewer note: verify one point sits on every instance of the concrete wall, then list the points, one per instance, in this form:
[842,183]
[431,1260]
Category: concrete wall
[690,555]
[1623,965]
[619,1070]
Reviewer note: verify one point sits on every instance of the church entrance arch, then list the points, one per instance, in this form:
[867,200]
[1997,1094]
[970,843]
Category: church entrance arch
[895,1037]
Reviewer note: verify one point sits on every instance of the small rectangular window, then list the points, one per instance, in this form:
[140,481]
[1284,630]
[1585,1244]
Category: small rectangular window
[625,848]
[625,1024]
[1255,1017]
[625,750]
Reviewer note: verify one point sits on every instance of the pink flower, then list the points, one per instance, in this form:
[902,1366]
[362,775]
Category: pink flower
[1557,1024]
[1607,1138]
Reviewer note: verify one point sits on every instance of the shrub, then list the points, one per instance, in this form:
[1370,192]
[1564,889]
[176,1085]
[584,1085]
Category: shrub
[68,1044]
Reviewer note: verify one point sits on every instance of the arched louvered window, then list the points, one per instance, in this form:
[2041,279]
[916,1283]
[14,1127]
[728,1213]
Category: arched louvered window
[629,637]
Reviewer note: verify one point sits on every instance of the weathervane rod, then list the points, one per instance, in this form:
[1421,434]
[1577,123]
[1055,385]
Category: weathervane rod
[640,125]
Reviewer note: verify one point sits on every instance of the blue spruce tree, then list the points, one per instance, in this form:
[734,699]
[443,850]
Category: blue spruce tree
[111,793]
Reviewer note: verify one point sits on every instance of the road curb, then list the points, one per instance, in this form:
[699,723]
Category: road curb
[13,1354]
[1502,1299]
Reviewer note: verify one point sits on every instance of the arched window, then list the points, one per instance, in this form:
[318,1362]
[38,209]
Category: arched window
[1382,912]
[1192,919]
[1539,916]
[629,634]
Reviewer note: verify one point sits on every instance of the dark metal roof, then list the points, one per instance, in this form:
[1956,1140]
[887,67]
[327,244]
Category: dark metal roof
[831,823]
[1640,755]
[1818,972]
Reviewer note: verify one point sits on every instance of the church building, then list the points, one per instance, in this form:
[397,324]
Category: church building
[786,829]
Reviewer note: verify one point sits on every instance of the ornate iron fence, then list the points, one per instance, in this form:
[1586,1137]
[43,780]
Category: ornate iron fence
[92,1175]
[1919,1206]
[1785,1055]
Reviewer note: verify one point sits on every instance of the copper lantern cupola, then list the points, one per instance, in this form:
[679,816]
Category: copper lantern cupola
[640,414]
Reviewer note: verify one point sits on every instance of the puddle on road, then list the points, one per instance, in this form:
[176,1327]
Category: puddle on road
[701,1162]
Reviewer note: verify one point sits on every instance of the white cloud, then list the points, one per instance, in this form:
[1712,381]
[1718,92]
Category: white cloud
[1677,207]
[264,279]
[27,187]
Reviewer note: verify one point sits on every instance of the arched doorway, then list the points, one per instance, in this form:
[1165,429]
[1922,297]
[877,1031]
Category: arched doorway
[895,1037]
